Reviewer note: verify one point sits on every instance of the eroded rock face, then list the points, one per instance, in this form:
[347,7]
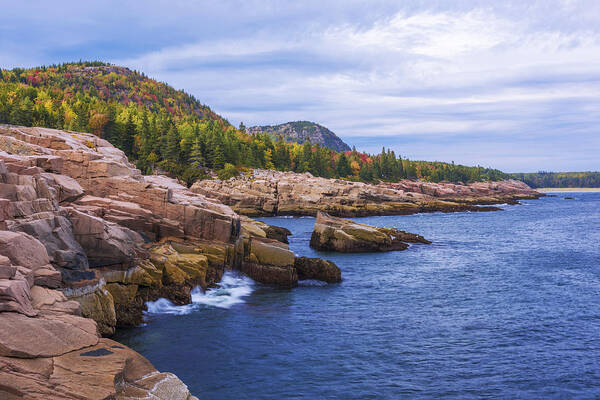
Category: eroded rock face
[76,260]
[343,235]
[85,241]
[287,193]
[106,243]
[102,171]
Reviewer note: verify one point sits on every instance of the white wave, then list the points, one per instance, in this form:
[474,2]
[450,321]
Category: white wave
[164,306]
[232,290]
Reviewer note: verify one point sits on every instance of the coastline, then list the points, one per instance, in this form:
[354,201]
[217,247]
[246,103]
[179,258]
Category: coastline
[104,240]
[568,190]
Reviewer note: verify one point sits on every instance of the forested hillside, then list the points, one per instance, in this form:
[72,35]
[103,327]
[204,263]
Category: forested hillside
[560,179]
[169,131]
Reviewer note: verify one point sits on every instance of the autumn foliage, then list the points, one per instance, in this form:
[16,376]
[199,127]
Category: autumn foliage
[169,131]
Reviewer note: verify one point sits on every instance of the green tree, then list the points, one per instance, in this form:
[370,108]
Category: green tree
[197,160]
[343,166]
[128,136]
[172,149]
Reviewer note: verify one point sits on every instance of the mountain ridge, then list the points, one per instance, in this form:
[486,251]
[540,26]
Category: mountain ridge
[301,131]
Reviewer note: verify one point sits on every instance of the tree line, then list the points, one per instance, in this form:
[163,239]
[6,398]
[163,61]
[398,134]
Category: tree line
[560,179]
[165,130]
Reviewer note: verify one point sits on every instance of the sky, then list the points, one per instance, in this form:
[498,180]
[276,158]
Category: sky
[513,85]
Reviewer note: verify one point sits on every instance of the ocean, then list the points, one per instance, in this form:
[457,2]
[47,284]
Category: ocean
[502,305]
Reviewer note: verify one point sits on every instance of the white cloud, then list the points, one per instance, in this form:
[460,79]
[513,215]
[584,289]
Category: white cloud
[512,68]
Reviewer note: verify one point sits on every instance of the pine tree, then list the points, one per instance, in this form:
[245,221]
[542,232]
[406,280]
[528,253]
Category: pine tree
[343,166]
[217,157]
[366,173]
[281,155]
[128,136]
[196,157]
[145,135]
[172,149]
[400,167]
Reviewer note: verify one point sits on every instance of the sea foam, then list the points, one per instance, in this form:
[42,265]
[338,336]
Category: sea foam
[232,290]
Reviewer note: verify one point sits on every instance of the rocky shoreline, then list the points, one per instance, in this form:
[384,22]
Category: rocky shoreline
[86,241]
[270,193]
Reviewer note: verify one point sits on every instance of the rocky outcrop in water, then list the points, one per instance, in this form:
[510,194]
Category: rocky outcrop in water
[317,269]
[343,235]
[269,260]
[287,193]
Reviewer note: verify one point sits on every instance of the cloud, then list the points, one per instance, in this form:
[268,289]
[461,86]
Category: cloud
[525,74]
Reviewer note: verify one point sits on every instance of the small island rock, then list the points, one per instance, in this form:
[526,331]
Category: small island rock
[346,236]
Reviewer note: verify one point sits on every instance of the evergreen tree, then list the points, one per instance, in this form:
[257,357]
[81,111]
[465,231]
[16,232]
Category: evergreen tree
[197,160]
[145,135]
[366,173]
[128,136]
[343,166]
[217,157]
[172,149]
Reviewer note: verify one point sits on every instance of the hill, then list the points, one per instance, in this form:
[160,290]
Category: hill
[560,179]
[168,131]
[300,132]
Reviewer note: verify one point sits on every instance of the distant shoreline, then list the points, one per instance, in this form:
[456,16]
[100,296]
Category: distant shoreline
[548,190]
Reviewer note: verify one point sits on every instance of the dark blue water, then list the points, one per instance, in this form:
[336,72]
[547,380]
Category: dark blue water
[502,305]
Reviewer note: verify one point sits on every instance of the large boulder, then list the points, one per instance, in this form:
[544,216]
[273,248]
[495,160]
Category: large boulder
[15,296]
[254,228]
[56,233]
[317,269]
[53,301]
[46,336]
[270,252]
[24,257]
[65,188]
[270,262]
[281,276]
[343,235]
[24,250]
[106,243]
[105,370]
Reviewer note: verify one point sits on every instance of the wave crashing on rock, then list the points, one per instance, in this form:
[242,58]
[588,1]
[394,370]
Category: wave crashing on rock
[232,290]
